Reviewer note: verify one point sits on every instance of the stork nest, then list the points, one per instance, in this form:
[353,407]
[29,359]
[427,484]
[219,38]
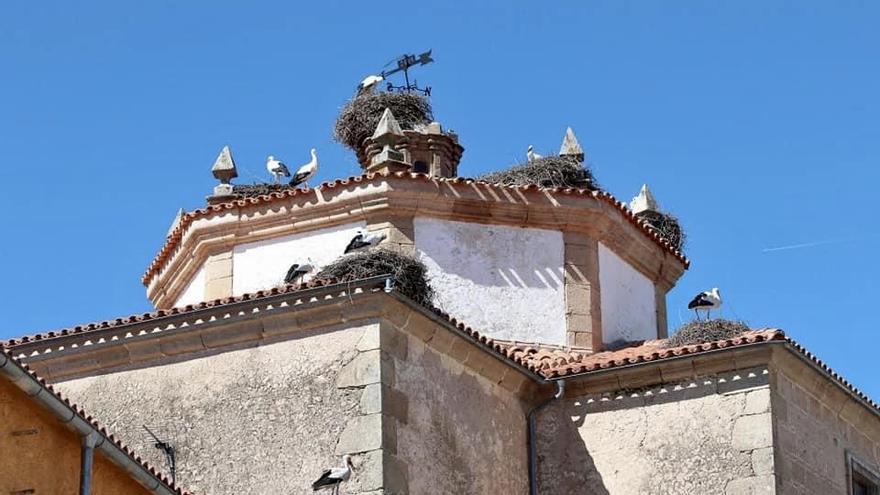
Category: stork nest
[359,117]
[698,332]
[254,190]
[667,225]
[550,171]
[410,275]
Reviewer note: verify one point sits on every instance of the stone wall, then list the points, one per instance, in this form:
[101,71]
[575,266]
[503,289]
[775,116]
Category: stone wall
[195,290]
[815,426]
[259,420]
[710,435]
[506,281]
[454,430]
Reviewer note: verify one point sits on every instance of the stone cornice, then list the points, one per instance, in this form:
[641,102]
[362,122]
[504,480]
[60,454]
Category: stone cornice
[220,227]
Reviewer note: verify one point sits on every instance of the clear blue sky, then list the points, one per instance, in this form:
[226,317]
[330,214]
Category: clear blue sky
[755,122]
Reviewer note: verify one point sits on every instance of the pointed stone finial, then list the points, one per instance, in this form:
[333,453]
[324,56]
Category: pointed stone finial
[224,171]
[644,201]
[571,147]
[387,136]
[224,166]
[388,126]
[175,222]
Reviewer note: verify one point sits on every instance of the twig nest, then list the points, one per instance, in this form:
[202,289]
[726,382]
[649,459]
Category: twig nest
[667,225]
[698,332]
[360,116]
[550,171]
[410,275]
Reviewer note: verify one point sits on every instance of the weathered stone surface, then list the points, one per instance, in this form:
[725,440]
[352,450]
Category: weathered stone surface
[755,485]
[231,414]
[371,399]
[676,439]
[462,434]
[361,434]
[757,401]
[368,472]
[762,461]
[752,432]
[361,371]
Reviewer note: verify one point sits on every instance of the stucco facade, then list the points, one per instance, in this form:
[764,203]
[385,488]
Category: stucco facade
[629,306]
[710,434]
[233,414]
[507,281]
[39,455]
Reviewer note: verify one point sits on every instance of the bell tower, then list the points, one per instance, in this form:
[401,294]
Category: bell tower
[427,149]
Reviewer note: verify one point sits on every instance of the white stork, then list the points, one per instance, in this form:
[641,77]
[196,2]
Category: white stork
[306,172]
[362,239]
[333,477]
[707,301]
[531,155]
[277,168]
[298,271]
[369,83]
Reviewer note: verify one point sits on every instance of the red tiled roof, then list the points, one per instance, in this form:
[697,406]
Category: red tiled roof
[177,234]
[558,362]
[542,360]
[108,436]
[161,313]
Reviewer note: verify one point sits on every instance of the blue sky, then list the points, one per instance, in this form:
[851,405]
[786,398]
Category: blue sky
[755,122]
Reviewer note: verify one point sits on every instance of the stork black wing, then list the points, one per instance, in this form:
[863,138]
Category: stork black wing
[292,273]
[699,302]
[357,242]
[324,480]
[299,178]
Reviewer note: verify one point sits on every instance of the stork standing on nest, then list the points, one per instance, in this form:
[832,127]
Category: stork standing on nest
[306,172]
[362,240]
[531,155]
[706,301]
[277,168]
[333,477]
[369,83]
[298,271]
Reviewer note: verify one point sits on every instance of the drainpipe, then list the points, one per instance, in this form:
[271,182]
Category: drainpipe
[533,437]
[85,469]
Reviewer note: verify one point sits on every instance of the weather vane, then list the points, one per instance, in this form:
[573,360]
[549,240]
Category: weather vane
[404,62]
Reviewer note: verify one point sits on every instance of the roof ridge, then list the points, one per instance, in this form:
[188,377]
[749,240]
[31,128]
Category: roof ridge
[172,240]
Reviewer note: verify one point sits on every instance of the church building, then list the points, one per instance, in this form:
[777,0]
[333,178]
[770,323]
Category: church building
[540,365]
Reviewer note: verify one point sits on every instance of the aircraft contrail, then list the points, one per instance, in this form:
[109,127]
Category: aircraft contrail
[812,244]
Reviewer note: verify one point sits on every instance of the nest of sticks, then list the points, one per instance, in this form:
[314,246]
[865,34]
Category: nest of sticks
[667,225]
[698,332]
[550,171]
[254,190]
[360,116]
[410,275]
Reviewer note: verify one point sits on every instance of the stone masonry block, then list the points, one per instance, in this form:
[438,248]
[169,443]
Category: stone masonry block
[757,401]
[363,370]
[752,432]
[370,340]
[754,485]
[762,461]
[368,471]
[361,434]
[371,399]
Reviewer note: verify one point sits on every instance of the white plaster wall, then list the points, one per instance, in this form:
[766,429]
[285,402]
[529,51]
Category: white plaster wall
[263,264]
[629,310]
[195,291]
[506,282]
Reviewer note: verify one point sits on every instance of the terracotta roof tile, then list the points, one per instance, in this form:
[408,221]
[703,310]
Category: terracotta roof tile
[177,234]
[79,411]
